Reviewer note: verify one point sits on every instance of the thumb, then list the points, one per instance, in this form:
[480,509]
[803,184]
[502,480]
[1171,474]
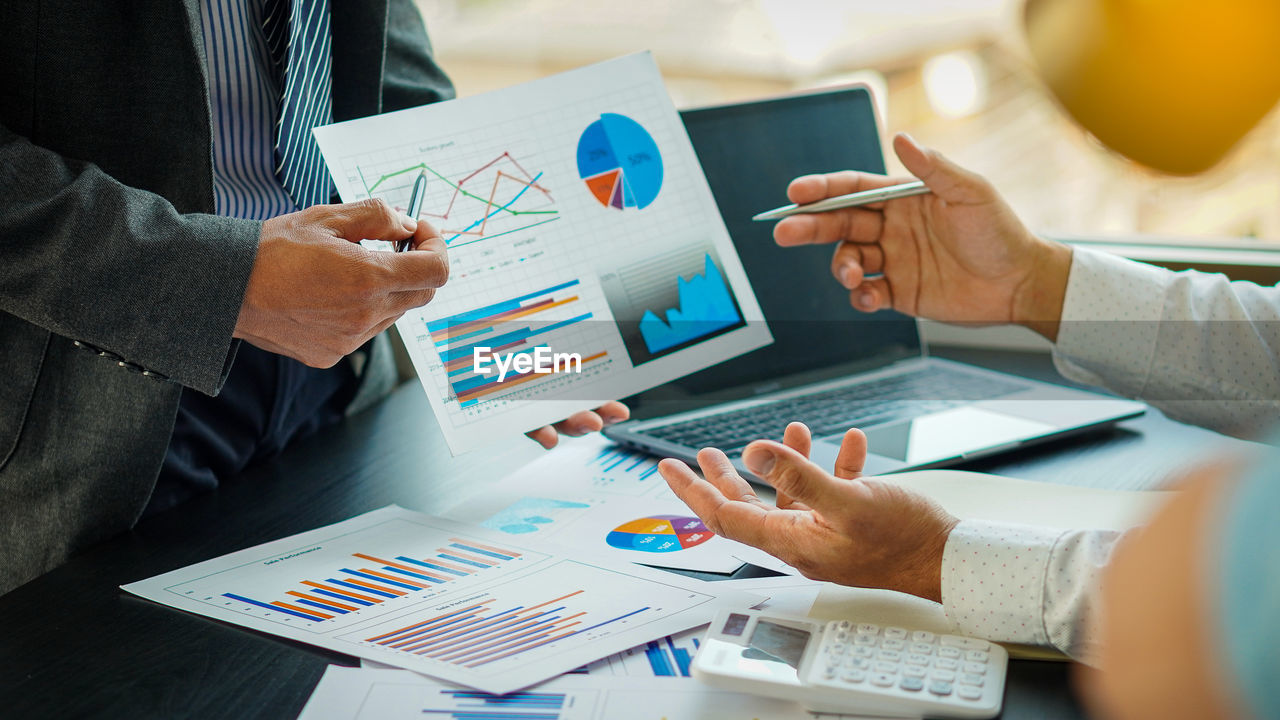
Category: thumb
[793,474]
[371,219]
[945,179]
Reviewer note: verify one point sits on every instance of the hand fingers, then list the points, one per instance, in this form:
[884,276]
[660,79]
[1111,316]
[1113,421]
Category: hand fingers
[856,224]
[744,521]
[427,237]
[851,262]
[613,412]
[872,295]
[852,455]
[945,179]
[790,472]
[424,268]
[545,436]
[373,219]
[812,188]
[721,473]
[798,437]
[580,423]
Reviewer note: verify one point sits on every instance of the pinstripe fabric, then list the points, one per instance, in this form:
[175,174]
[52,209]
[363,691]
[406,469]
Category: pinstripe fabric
[244,93]
[307,100]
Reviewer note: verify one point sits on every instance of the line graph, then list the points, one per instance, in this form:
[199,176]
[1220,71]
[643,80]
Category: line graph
[458,199]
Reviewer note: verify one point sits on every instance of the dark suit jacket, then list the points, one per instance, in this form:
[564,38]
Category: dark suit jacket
[117,284]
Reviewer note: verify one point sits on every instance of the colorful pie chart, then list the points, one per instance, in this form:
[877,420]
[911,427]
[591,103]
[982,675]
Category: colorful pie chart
[660,534]
[620,162]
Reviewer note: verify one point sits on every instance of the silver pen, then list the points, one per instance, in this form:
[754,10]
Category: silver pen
[415,207]
[866,197]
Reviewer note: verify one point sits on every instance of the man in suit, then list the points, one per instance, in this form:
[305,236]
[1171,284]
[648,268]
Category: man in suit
[161,200]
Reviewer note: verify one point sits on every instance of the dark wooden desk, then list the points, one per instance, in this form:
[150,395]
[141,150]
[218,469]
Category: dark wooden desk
[74,645]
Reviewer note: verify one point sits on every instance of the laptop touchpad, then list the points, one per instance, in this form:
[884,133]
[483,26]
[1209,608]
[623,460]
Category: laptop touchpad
[948,434]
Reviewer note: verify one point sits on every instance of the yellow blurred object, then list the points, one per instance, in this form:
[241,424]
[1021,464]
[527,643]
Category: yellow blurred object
[1172,84]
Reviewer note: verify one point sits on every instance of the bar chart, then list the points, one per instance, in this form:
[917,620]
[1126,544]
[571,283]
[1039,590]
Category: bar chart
[469,705]
[521,325]
[352,589]
[615,465]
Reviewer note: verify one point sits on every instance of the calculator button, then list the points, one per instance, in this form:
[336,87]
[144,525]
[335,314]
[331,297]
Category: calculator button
[945,664]
[917,659]
[913,671]
[858,663]
[882,679]
[890,655]
[963,643]
[843,625]
[886,667]
[912,684]
[923,636]
[864,640]
[969,692]
[971,679]
[829,672]
[939,687]
[949,652]
[978,656]
[853,676]
[863,652]
[975,668]
[891,644]
[922,648]
[944,675]
[867,629]
[895,633]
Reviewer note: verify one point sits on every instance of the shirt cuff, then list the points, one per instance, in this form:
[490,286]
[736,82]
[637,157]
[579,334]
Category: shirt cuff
[1110,320]
[993,579]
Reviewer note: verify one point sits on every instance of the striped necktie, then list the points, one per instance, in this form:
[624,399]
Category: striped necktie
[297,33]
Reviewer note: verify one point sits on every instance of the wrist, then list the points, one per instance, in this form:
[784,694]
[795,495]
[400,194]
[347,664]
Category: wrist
[927,563]
[1037,303]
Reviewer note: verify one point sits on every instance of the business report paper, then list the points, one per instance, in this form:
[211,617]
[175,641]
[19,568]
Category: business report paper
[590,493]
[365,694]
[588,259]
[457,602]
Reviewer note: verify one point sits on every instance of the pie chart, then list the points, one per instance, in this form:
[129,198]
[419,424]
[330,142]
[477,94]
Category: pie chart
[620,162]
[660,534]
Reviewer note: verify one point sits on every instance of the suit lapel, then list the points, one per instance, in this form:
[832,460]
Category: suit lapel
[359,30]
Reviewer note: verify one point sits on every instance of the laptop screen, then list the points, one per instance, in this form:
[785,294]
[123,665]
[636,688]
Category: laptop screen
[749,153]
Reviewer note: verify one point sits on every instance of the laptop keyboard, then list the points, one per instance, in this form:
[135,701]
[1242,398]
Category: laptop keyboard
[830,412]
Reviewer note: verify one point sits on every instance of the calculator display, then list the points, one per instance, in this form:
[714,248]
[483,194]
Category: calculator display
[777,643]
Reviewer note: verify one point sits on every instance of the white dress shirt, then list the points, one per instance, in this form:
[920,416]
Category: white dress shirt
[1199,347]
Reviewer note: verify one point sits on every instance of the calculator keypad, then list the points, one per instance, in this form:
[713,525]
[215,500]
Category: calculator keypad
[945,668]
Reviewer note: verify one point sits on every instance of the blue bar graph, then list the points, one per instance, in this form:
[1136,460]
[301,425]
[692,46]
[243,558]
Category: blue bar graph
[631,463]
[470,705]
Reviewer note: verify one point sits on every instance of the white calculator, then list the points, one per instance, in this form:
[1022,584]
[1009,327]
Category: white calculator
[853,668]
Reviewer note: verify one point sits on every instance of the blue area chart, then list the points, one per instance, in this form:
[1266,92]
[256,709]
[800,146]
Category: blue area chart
[706,306]
[619,162]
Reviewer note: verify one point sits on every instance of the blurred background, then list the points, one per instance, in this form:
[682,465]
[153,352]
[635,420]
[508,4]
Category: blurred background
[954,73]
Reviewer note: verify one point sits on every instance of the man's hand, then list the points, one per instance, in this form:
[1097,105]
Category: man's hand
[580,424]
[958,254]
[846,529]
[316,295]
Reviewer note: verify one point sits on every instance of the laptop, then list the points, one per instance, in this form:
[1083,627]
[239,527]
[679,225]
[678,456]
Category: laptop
[830,366]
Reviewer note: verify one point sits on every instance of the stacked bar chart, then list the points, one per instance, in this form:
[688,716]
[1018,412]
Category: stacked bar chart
[517,326]
[371,580]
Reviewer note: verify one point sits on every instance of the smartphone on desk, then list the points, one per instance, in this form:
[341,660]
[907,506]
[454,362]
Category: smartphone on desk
[852,668]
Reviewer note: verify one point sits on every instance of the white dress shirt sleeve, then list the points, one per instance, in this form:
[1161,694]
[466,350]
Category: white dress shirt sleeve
[1199,347]
[1024,584]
